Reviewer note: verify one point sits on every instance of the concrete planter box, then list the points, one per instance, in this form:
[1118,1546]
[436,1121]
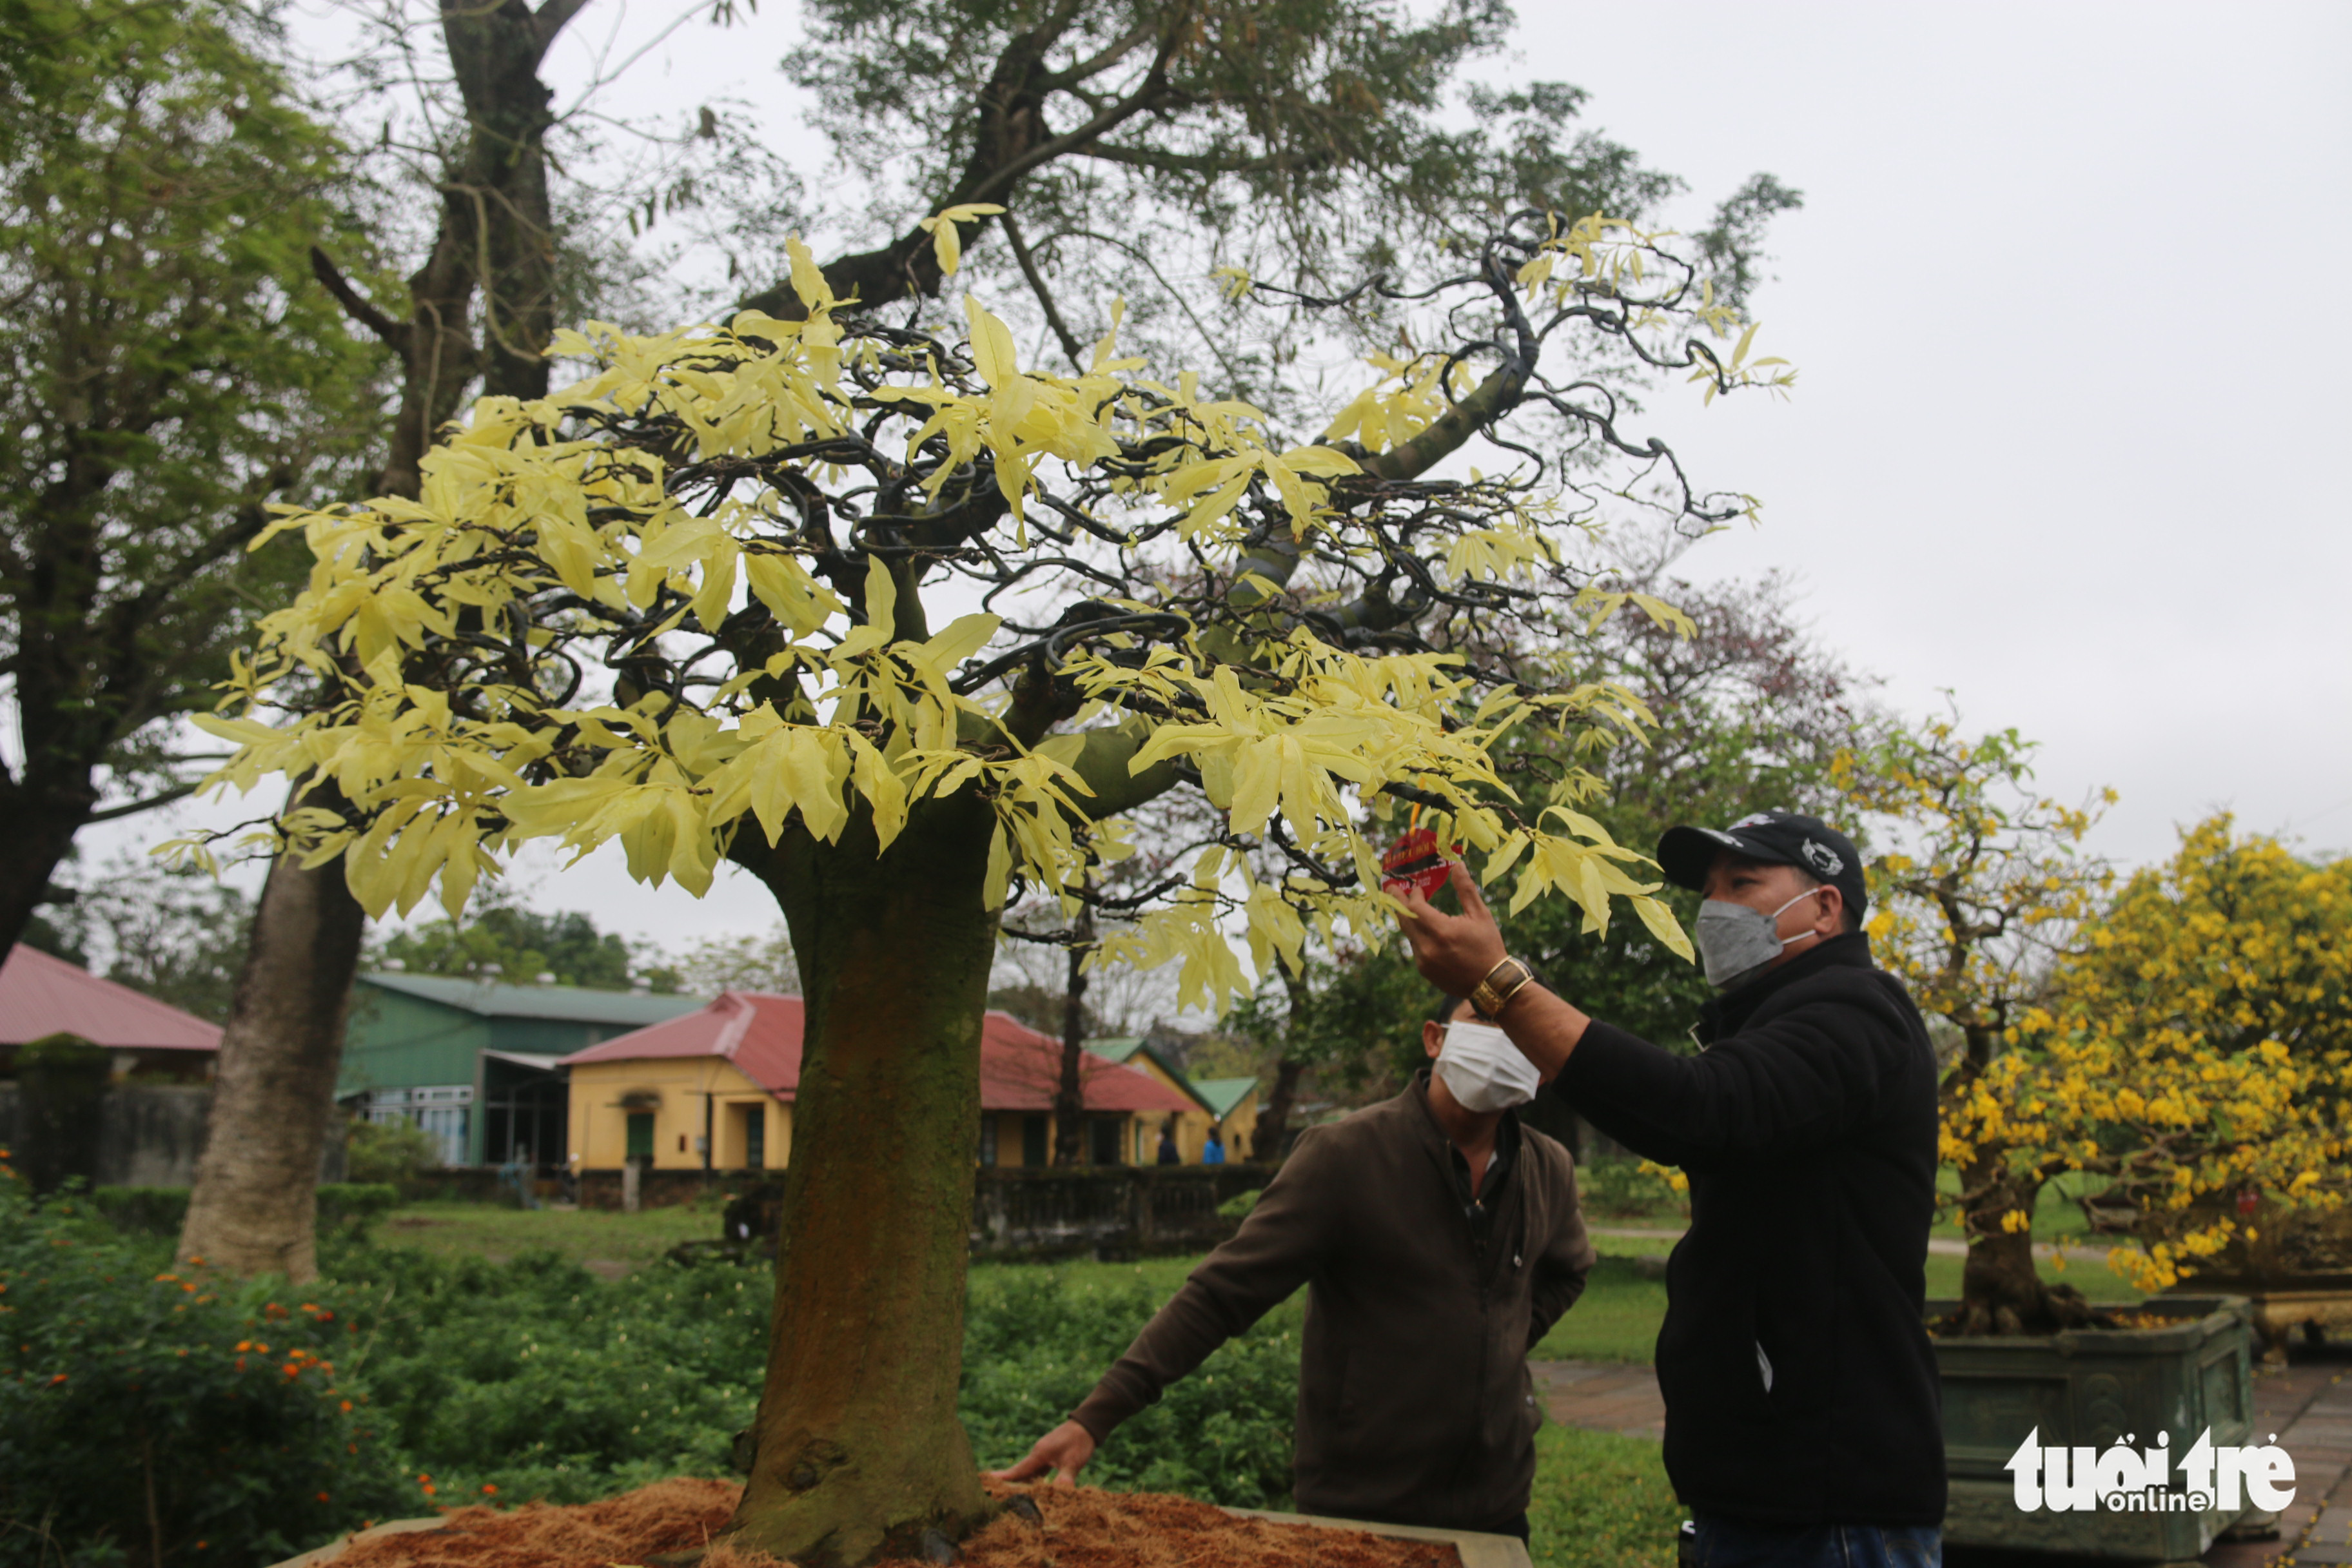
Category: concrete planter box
[1477,1550]
[2087,1388]
[2316,1306]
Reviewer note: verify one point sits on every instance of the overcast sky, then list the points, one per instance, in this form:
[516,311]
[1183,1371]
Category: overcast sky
[2062,294]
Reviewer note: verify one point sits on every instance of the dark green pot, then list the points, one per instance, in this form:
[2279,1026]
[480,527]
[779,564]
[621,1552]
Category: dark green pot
[2088,1388]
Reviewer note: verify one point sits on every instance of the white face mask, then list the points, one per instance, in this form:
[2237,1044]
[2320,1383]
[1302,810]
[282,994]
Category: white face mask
[1482,1070]
[1736,943]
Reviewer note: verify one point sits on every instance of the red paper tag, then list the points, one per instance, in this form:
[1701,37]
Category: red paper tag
[1413,864]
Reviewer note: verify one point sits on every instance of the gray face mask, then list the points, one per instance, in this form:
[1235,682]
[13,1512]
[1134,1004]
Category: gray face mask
[1736,944]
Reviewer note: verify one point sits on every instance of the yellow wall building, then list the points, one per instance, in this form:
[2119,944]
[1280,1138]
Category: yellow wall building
[713,1089]
[1227,1104]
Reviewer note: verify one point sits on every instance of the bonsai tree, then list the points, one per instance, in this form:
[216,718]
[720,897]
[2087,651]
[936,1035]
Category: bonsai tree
[906,629]
[1988,886]
[2194,1051]
[2187,1040]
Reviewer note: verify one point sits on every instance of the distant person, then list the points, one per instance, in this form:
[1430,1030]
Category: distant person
[1169,1154]
[1438,1239]
[1213,1153]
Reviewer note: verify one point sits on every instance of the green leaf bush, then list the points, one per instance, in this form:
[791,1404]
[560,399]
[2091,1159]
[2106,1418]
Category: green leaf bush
[422,1381]
[148,1416]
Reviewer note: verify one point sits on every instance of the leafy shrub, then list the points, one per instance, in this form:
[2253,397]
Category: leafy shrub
[393,1152]
[534,1379]
[1618,1187]
[347,1208]
[1238,1206]
[1035,1346]
[351,1209]
[152,1415]
[142,1211]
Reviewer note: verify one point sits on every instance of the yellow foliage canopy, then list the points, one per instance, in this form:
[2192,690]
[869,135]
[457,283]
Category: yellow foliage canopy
[681,603]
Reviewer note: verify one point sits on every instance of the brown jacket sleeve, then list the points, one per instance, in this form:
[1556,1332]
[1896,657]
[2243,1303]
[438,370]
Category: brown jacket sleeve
[1567,1257]
[1280,1246]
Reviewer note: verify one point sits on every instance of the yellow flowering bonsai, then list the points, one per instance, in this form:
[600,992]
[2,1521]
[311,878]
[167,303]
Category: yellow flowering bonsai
[2183,1038]
[904,628]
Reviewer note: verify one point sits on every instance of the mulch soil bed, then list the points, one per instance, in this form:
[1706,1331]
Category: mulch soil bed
[1081,1529]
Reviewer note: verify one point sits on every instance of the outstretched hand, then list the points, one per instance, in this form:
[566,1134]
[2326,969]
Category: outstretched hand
[1453,953]
[1065,1451]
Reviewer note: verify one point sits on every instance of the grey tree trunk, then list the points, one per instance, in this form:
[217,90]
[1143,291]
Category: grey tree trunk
[255,1200]
[256,1195]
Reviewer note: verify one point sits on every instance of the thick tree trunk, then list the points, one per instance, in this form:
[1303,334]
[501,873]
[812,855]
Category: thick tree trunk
[40,835]
[2002,1292]
[859,1452]
[255,1198]
[256,1193]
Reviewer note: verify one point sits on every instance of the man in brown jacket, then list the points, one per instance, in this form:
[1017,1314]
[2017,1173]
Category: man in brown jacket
[1437,1243]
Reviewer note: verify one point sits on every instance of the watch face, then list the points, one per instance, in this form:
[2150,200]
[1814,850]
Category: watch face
[1413,864]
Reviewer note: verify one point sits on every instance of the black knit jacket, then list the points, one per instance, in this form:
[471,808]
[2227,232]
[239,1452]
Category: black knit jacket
[1808,1129]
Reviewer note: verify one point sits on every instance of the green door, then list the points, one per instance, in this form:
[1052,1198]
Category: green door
[641,1134]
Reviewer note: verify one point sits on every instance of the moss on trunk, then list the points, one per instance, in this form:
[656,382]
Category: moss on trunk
[859,1450]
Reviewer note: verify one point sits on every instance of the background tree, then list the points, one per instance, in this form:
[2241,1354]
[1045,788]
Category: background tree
[160,384]
[177,936]
[760,962]
[1136,145]
[751,527]
[504,939]
[2191,1047]
[1984,888]
[482,304]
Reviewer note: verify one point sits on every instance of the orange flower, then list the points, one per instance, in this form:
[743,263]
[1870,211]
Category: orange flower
[322,1497]
[347,1407]
[489,1490]
[56,1380]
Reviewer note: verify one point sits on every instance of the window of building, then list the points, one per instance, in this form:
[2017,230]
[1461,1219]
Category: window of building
[755,1137]
[988,1140]
[1033,1141]
[641,1134]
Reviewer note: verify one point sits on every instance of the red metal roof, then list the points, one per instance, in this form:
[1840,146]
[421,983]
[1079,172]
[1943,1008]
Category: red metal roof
[760,1034]
[41,994]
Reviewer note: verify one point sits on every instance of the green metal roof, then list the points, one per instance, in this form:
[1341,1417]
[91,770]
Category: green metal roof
[566,1003]
[1222,1094]
[1217,1096]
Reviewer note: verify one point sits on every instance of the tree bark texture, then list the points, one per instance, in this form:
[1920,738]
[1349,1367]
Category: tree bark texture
[2002,1292]
[254,1209]
[1273,1121]
[1069,1090]
[859,1449]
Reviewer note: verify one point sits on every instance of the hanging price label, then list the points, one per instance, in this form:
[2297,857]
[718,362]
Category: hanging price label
[1412,864]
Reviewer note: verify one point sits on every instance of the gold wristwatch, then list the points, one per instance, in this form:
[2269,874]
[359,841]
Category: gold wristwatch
[1502,983]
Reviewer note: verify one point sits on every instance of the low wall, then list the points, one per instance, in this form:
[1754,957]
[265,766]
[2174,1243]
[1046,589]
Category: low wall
[659,1189]
[1100,1211]
[148,1135]
[1107,1211]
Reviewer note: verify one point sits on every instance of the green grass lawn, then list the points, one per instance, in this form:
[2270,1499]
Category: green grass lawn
[1601,1501]
[1618,1316]
[629,1241]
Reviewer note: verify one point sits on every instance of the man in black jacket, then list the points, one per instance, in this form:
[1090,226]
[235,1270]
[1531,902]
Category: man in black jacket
[1802,1421]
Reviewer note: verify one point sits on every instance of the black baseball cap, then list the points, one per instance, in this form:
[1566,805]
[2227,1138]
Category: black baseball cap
[1776,837]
